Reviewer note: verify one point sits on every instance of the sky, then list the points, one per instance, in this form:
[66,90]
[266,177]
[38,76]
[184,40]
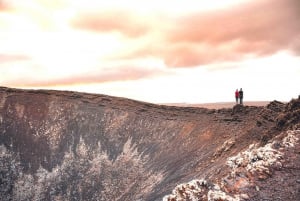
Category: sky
[171,51]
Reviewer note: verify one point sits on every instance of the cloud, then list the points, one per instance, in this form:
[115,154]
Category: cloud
[4,6]
[119,21]
[7,58]
[97,76]
[255,29]
[258,29]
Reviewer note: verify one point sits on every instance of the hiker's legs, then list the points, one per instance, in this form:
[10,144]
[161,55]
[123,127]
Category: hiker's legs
[241,101]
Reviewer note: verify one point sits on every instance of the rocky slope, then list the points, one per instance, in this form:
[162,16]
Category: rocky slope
[57,145]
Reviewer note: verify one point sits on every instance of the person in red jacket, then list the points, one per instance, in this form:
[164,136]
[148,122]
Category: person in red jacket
[236,96]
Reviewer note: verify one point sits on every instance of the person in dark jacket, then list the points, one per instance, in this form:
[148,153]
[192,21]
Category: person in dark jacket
[241,96]
[237,96]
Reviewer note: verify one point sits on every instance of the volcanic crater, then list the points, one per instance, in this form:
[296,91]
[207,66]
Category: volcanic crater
[64,145]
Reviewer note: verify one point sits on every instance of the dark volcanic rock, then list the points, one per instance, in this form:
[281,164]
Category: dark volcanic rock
[276,106]
[290,118]
[59,145]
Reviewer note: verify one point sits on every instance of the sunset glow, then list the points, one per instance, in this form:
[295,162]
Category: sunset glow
[155,51]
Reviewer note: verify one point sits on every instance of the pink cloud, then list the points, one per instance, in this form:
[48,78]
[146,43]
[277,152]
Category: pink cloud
[111,21]
[3,6]
[6,58]
[100,76]
[258,29]
[251,22]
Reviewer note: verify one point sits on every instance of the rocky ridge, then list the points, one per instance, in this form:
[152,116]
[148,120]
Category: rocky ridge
[254,174]
[59,145]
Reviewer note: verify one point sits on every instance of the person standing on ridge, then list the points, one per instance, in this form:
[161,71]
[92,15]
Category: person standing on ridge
[237,96]
[241,96]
